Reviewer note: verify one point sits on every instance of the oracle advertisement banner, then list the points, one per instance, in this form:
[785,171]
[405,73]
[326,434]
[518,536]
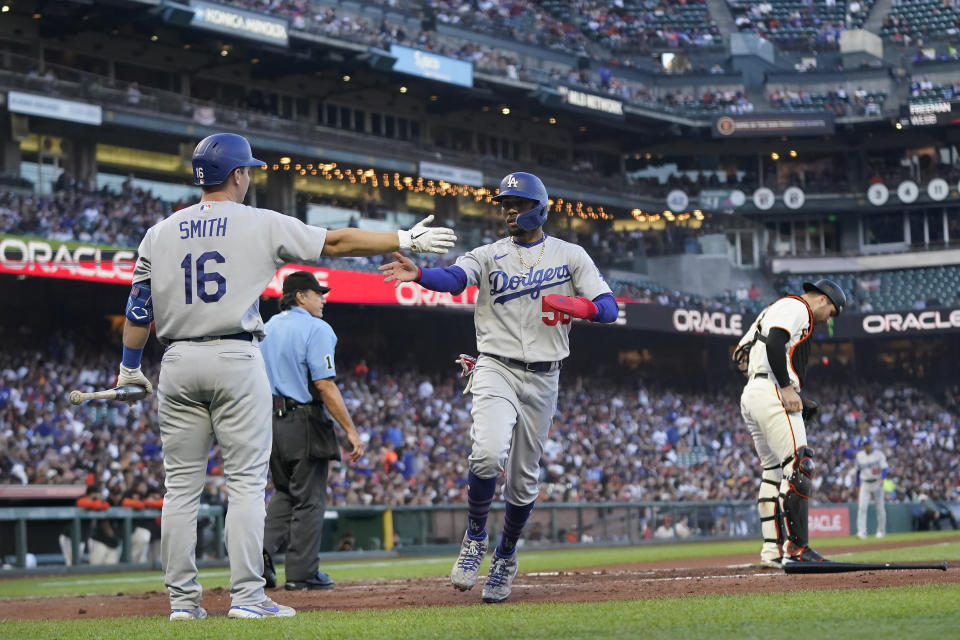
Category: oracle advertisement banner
[655,317]
[899,323]
[75,261]
[829,521]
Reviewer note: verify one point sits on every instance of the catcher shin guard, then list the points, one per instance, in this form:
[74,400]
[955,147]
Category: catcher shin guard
[798,472]
[771,518]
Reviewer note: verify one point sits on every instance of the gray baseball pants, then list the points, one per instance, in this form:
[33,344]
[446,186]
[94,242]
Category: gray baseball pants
[214,389]
[512,413]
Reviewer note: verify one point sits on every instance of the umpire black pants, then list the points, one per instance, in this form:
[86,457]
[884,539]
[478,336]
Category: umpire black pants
[295,512]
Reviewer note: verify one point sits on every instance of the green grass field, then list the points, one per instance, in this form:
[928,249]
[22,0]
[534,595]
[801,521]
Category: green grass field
[914,612]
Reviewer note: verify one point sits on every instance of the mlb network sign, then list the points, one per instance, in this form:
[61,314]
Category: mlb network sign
[431,65]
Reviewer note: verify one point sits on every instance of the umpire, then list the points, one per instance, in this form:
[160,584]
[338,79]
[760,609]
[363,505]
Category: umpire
[298,353]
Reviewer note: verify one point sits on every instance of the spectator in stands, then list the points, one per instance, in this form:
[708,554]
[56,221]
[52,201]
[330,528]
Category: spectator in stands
[106,535]
[933,514]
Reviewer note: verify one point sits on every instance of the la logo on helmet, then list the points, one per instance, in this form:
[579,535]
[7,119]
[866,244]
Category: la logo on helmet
[512,181]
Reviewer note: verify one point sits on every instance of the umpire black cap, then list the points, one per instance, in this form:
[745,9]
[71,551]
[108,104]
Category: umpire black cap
[830,289]
[303,281]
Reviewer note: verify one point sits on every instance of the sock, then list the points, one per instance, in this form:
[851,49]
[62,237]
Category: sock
[513,520]
[479,496]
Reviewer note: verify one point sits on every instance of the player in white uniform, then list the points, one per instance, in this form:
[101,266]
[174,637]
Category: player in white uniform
[524,308]
[871,472]
[775,351]
[199,276]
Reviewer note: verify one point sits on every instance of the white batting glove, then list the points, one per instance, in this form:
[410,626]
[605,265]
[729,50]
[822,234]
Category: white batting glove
[133,376]
[424,239]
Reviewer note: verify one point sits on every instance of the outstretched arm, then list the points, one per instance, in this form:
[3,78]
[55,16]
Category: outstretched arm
[359,242]
[452,279]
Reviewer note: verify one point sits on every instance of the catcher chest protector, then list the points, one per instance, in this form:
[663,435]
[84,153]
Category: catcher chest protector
[526,185]
[796,501]
[740,360]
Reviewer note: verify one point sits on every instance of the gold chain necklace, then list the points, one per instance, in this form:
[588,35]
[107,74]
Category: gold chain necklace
[543,247]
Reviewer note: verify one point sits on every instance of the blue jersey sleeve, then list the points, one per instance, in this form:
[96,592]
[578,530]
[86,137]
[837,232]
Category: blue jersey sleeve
[320,349]
[607,309]
[452,279]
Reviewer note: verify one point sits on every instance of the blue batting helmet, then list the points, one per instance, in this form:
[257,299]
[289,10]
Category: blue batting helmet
[217,155]
[526,185]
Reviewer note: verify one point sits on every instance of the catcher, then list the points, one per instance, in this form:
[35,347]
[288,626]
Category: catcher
[773,354]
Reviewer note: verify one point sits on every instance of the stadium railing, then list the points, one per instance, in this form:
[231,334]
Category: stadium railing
[436,529]
[54,517]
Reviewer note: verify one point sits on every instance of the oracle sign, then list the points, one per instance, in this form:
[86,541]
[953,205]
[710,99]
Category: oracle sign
[829,521]
[369,288]
[712,322]
[27,256]
[932,320]
[34,257]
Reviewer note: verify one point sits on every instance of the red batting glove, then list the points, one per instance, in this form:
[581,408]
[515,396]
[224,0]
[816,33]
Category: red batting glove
[467,363]
[575,307]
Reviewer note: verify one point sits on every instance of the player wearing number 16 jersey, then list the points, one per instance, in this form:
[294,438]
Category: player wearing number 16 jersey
[530,286]
[199,275]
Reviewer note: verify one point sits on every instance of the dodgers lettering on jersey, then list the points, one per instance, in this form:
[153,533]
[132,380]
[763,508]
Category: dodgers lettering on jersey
[206,282]
[506,287]
[510,317]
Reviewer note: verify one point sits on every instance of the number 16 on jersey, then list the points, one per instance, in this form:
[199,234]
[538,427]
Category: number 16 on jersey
[203,277]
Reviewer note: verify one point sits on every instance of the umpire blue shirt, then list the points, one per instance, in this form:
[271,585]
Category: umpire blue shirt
[297,343]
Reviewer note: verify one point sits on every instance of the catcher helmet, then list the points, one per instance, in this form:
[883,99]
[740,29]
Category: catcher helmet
[830,289]
[526,185]
[217,155]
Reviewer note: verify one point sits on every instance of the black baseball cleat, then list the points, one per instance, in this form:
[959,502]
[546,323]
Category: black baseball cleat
[806,554]
[269,573]
[319,581]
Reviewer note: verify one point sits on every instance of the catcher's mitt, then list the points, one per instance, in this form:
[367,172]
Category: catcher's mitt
[810,410]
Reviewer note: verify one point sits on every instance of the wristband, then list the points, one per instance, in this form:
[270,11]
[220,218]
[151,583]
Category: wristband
[131,357]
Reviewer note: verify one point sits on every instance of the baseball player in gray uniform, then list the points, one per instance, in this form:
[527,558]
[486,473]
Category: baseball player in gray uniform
[871,472]
[774,352]
[527,287]
[199,276]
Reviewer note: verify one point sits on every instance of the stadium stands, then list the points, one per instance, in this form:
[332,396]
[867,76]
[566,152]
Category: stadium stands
[811,25]
[611,440]
[634,27]
[923,90]
[840,101]
[910,21]
[893,290]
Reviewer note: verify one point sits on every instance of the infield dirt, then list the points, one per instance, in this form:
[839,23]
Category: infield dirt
[673,579]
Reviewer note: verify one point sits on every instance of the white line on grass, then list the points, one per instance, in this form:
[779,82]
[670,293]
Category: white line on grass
[84,580]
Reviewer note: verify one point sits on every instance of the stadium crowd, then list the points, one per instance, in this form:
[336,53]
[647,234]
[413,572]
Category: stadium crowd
[75,213]
[618,439]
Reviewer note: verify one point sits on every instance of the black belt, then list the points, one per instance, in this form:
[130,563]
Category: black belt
[761,375]
[874,480]
[283,405]
[243,335]
[536,367]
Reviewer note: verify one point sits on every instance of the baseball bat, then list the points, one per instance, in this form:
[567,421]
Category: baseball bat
[845,567]
[125,393]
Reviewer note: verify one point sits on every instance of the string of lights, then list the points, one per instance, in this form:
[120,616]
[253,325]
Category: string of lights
[417,184]
[667,215]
